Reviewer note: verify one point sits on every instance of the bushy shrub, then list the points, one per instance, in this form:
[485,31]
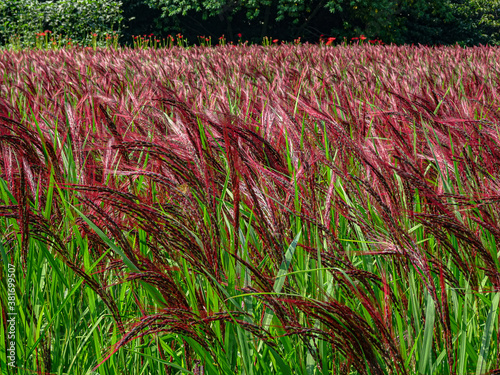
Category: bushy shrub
[75,19]
[19,17]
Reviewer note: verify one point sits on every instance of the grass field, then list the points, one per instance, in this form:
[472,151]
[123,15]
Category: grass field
[250,210]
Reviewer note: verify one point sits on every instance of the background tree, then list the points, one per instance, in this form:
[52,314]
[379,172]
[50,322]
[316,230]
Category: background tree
[476,22]
[254,19]
[397,21]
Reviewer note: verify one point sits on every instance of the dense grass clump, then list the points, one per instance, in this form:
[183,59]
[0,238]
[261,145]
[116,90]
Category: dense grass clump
[252,210]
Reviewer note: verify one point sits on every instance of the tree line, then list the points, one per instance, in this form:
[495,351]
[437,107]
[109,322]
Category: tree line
[428,22]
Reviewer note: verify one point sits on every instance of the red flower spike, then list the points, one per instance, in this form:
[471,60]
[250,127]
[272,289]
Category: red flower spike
[330,41]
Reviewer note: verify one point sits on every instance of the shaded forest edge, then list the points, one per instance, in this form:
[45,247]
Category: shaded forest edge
[434,22]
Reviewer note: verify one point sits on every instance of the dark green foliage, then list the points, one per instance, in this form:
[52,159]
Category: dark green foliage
[254,19]
[426,22]
[394,21]
[141,19]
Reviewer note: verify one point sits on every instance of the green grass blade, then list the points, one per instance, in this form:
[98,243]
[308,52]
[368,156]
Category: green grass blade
[488,329]
[426,349]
